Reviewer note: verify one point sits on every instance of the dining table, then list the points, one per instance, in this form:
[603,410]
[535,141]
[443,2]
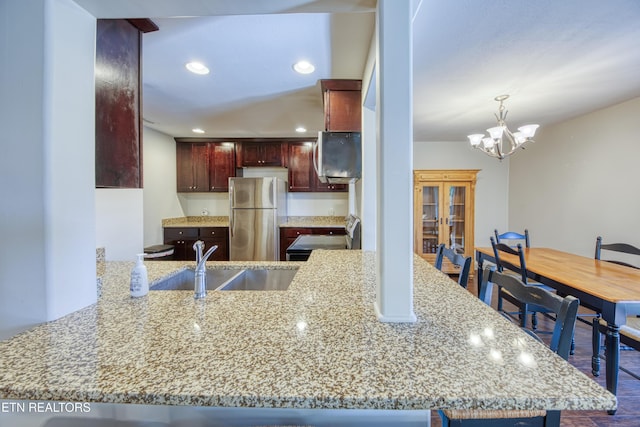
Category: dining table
[610,289]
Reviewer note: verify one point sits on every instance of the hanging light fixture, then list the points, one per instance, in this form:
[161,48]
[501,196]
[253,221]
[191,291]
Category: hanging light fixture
[501,142]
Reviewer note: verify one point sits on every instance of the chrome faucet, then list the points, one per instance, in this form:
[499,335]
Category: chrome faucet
[200,286]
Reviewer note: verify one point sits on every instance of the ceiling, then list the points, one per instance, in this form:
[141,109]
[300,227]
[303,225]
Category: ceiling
[557,60]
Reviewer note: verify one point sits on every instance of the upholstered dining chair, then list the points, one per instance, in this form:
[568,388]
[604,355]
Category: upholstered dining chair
[459,261]
[565,310]
[630,331]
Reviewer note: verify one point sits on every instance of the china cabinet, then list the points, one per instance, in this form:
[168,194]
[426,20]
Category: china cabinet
[444,212]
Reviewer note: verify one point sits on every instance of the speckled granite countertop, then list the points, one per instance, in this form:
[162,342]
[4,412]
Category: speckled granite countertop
[197,221]
[314,221]
[316,345]
[223,221]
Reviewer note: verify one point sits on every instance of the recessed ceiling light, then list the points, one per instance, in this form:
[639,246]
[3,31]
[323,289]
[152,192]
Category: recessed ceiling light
[304,67]
[197,67]
[301,129]
[197,130]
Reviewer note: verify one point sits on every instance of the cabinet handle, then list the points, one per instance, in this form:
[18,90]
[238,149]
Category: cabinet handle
[213,233]
[440,220]
[331,232]
[180,233]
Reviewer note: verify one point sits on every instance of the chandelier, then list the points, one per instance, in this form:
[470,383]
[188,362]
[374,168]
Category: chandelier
[501,142]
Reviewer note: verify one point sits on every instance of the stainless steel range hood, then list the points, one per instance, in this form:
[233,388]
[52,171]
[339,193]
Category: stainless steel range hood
[337,157]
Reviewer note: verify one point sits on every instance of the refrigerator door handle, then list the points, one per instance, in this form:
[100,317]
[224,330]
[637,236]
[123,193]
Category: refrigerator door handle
[231,212]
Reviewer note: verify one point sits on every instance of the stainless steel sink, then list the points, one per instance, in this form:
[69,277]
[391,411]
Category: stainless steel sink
[260,280]
[184,281]
[230,280]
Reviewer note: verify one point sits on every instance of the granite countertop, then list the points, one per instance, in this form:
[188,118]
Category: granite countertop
[314,221]
[197,221]
[223,221]
[316,345]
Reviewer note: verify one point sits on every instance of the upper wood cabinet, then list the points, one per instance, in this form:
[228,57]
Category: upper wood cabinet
[259,154]
[192,162]
[444,212]
[342,105]
[302,174]
[222,165]
[204,166]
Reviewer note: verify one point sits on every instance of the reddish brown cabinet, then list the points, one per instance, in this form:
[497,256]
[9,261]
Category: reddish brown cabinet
[192,167]
[204,166]
[222,165]
[183,238]
[216,236]
[342,105]
[289,234]
[302,174]
[259,154]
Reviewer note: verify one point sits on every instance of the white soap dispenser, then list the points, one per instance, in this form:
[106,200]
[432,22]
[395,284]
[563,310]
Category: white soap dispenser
[139,281]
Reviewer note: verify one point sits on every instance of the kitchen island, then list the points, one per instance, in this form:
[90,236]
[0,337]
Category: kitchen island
[317,345]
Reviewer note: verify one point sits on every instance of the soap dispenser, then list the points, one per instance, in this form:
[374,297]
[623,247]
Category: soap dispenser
[139,281]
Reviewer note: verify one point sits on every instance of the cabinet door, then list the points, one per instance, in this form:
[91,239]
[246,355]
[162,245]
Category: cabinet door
[216,236]
[301,172]
[182,239]
[271,154]
[192,161]
[343,110]
[200,158]
[221,165]
[457,217]
[427,219]
[184,167]
[250,154]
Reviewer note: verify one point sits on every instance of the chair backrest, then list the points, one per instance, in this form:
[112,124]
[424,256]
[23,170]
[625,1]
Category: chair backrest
[513,237]
[501,264]
[456,259]
[565,309]
[623,248]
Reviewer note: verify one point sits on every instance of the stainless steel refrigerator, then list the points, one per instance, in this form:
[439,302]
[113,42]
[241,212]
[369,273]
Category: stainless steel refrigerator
[257,207]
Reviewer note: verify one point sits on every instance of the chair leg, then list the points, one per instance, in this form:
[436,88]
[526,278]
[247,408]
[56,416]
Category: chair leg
[595,347]
[572,351]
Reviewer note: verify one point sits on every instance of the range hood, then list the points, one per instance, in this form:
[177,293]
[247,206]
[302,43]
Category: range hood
[337,157]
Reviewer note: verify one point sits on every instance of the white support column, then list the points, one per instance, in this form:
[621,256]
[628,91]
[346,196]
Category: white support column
[394,252]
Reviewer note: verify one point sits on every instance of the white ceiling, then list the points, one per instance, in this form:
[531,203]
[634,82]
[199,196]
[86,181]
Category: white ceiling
[557,60]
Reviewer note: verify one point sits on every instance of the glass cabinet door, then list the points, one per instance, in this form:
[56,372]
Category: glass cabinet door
[430,211]
[456,221]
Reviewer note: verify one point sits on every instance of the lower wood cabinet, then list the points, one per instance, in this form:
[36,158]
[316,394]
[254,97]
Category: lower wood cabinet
[289,234]
[183,238]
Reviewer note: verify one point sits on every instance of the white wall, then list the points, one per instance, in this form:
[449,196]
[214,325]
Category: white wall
[159,195]
[119,222]
[580,180]
[47,119]
[491,187]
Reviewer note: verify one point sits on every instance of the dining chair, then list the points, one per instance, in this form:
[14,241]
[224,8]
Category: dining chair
[520,269]
[617,248]
[459,261]
[513,238]
[630,331]
[565,309]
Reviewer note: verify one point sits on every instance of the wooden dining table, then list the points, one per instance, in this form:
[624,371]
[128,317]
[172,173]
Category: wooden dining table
[607,288]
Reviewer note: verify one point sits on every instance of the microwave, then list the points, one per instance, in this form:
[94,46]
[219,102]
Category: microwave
[337,157]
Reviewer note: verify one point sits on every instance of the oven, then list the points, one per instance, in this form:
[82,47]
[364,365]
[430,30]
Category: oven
[301,248]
